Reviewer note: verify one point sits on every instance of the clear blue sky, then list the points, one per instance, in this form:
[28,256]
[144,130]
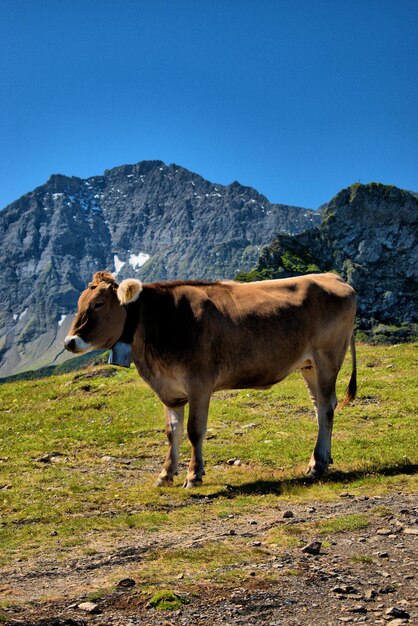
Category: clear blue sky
[297,98]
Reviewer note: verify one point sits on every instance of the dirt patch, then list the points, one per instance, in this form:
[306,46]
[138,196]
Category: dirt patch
[365,574]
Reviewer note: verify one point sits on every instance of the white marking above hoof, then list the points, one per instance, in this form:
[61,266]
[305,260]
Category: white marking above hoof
[190,484]
[164,482]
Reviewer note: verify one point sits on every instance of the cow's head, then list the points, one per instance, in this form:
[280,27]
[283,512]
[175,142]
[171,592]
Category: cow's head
[100,316]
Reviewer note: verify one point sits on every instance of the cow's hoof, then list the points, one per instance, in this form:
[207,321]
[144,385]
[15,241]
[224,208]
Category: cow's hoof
[316,473]
[195,482]
[164,481]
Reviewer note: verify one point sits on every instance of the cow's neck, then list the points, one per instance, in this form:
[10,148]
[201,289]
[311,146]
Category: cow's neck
[131,321]
[121,351]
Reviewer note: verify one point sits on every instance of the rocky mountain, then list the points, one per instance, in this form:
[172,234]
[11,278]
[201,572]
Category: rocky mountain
[369,235]
[147,220]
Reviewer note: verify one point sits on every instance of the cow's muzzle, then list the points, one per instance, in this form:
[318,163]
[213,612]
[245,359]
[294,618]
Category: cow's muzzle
[76,344]
[69,344]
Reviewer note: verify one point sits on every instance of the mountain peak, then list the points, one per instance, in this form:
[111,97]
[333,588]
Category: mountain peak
[142,167]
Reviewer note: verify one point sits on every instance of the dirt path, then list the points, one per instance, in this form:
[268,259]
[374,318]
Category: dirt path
[367,575]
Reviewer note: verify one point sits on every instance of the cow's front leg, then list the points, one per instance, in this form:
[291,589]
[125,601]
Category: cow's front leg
[174,417]
[196,429]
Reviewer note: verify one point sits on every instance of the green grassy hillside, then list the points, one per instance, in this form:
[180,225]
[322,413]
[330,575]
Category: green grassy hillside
[80,452]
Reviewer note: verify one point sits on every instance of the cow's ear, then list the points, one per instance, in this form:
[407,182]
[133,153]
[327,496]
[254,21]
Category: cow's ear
[129,290]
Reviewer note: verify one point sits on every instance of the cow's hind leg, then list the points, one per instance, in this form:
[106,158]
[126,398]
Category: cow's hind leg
[196,430]
[321,382]
[174,429]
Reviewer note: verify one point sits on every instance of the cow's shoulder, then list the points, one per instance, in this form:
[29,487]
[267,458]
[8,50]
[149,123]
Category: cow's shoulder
[171,314]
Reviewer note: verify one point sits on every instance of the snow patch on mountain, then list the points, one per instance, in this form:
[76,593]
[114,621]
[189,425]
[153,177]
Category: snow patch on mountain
[118,264]
[138,260]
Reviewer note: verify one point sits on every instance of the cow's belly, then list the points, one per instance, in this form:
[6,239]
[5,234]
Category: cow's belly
[247,370]
[261,372]
[249,381]
[255,378]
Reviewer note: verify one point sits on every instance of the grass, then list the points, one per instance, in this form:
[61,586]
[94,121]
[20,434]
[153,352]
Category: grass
[103,433]
[362,558]
[167,600]
[213,560]
[355,521]
[293,535]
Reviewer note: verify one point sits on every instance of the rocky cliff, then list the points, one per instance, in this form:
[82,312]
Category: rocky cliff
[368,234]
[147,220]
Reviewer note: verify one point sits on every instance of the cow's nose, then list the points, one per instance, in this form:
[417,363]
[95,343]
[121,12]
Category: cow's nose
[69,343]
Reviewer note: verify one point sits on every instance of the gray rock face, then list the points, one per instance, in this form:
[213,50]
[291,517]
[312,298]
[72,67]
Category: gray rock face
[369,235]
[148,220]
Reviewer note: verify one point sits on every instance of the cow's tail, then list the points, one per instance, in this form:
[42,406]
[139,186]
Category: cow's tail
[351,391]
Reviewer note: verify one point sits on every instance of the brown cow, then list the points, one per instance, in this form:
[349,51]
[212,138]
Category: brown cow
[192,338]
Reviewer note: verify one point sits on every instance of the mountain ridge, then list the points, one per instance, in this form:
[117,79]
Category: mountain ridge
[147,220]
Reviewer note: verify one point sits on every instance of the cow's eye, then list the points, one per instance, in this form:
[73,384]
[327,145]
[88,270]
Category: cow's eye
[97,305]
